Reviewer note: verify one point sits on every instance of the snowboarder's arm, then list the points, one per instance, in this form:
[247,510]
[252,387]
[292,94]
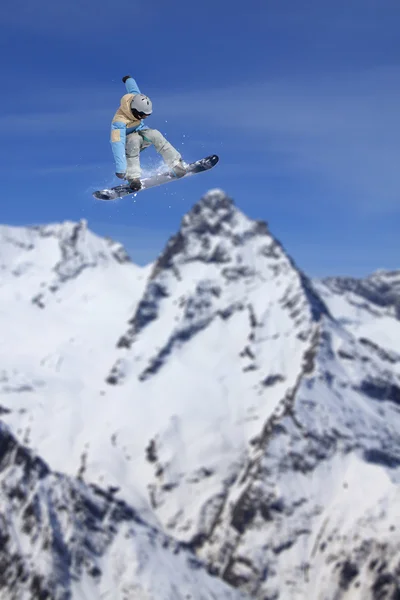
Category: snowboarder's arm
[131,85]
[118,137]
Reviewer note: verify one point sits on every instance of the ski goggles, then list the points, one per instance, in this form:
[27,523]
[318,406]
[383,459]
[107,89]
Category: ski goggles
[139,115]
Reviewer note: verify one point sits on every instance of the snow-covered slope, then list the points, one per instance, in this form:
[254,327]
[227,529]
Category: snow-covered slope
[65,296]
[219,392]
[63,539]
[369,307]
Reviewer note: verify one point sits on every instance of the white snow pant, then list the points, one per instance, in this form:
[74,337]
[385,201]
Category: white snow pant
[138,141]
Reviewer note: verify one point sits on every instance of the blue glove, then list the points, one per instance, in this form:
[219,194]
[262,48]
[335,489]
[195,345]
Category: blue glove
[120,175]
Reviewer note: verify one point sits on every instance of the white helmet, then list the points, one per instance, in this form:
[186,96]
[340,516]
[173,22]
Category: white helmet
[141,106]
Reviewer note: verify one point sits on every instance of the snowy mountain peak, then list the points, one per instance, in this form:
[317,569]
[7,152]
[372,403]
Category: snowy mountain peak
[220,267]
[212,210]
[210,232]
[60,242]
[75,238]
[49,256]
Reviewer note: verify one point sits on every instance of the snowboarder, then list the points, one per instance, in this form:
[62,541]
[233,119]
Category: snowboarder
[129,136]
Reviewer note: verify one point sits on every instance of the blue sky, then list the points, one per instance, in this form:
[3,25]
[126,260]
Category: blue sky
[299,99]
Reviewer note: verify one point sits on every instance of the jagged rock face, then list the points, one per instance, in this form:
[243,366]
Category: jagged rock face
[331,440]
[247,414]
[62,539]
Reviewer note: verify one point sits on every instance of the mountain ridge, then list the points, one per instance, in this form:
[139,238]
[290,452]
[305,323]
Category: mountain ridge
[227,396]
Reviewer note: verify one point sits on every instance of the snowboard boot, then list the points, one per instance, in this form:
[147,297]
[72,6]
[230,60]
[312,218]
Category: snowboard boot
[135,184]
[179,170]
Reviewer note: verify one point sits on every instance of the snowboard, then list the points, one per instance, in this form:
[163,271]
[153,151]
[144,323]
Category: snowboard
[119,191]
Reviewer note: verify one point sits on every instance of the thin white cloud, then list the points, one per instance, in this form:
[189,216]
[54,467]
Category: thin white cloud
[44,123]
[68,19]
[53,170]
[343,129]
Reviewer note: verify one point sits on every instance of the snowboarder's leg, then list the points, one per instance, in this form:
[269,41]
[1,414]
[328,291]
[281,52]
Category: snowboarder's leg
[132,149]
[169,154]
